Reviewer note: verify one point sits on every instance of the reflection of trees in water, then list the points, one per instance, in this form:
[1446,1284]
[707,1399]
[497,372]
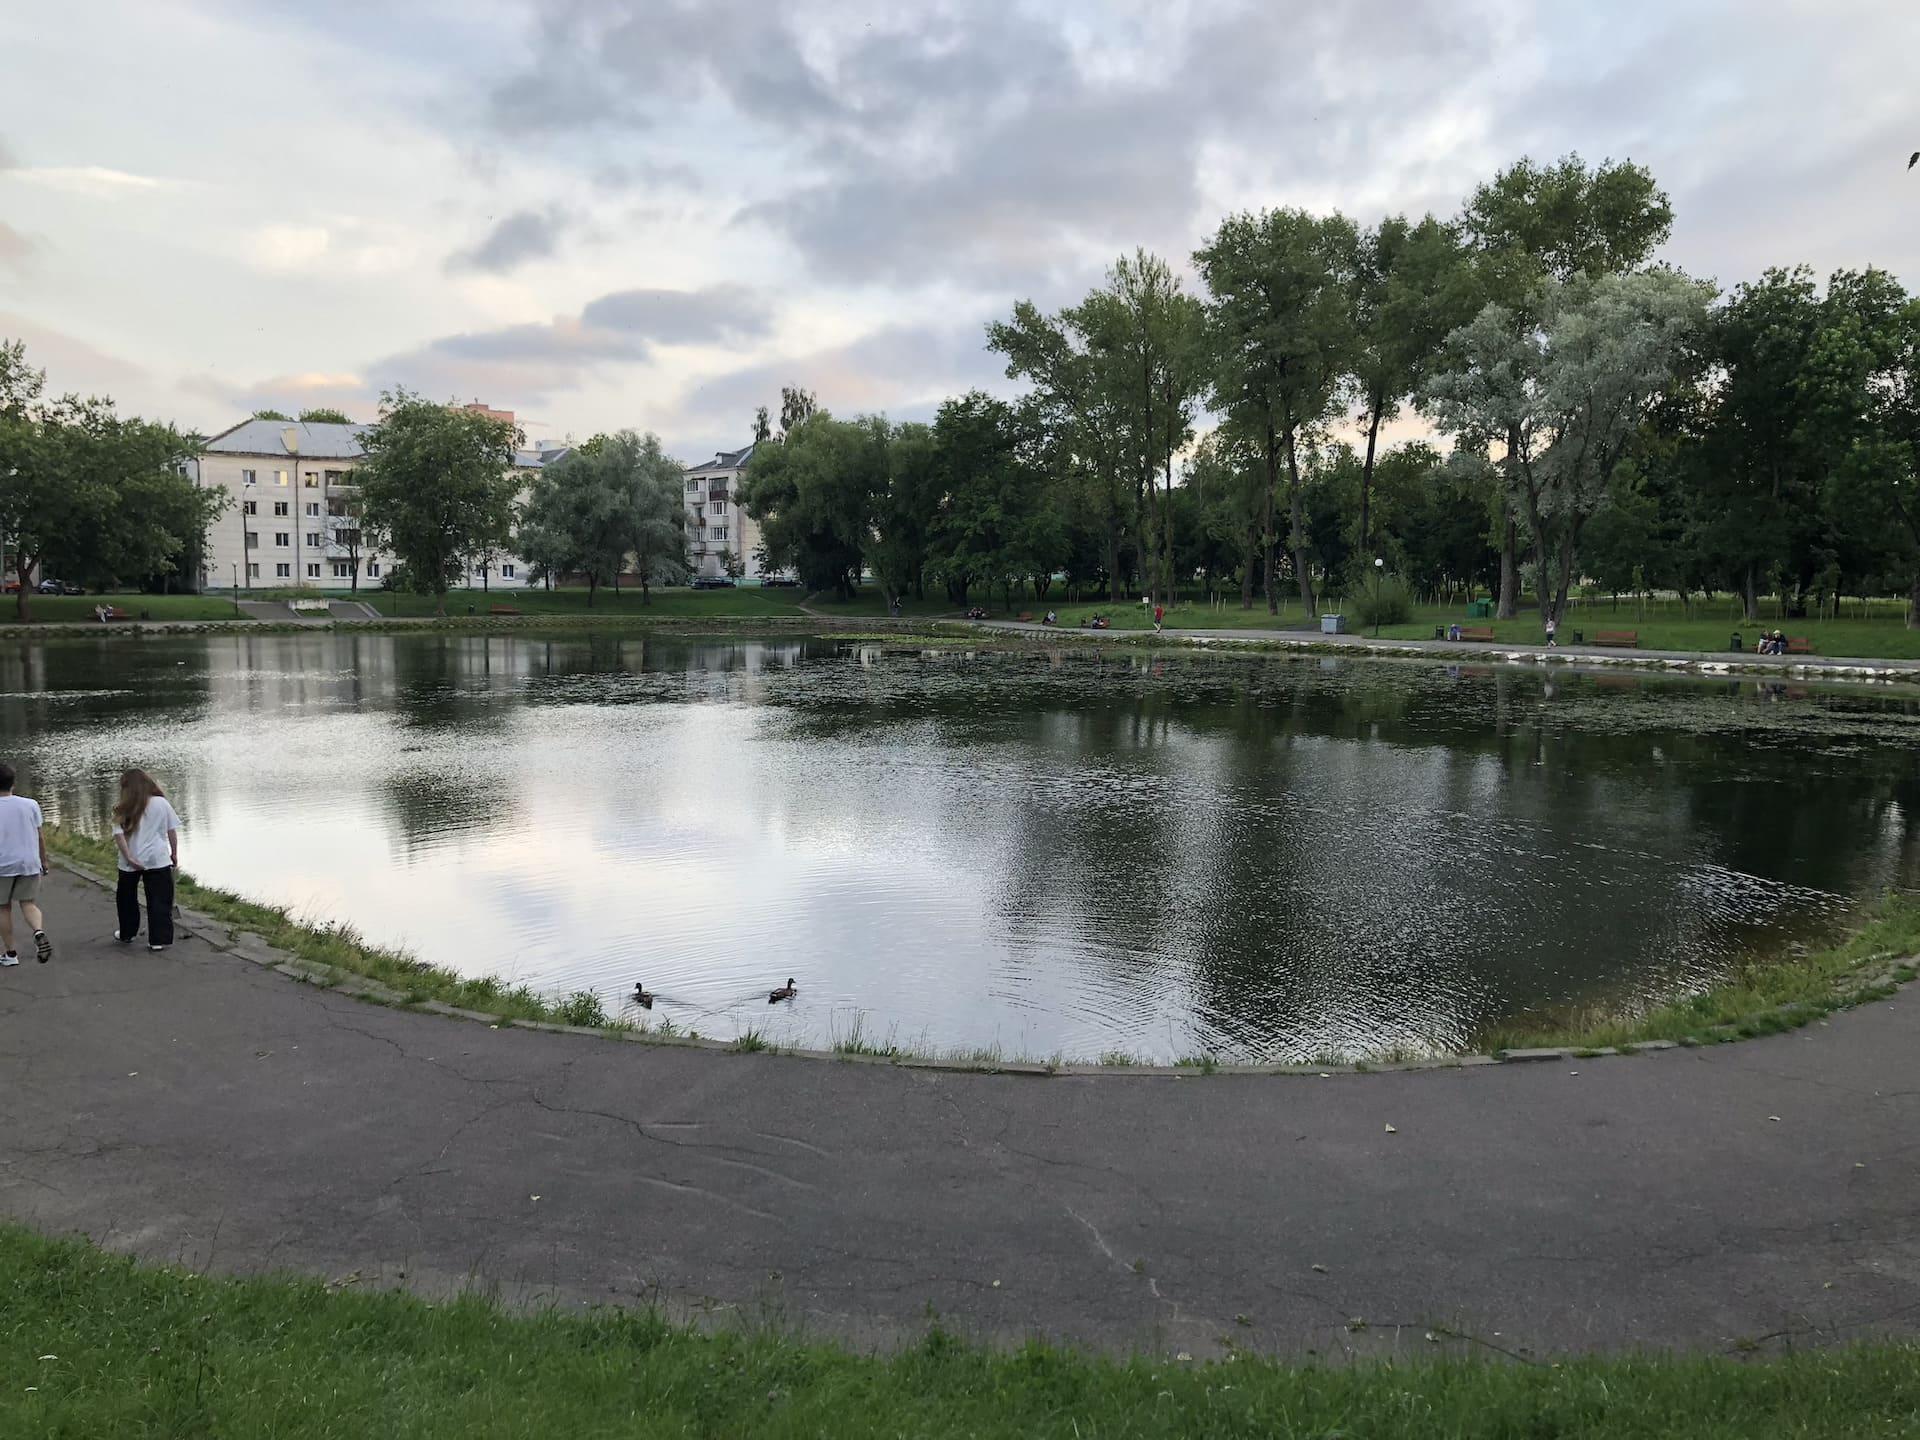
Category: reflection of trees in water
[428,805]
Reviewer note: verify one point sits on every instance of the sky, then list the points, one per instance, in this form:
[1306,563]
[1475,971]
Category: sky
[654,213]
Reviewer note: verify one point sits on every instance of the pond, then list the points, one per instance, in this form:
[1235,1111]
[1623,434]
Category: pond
[1042,853]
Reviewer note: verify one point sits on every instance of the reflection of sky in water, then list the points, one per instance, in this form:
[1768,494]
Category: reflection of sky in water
[1259,858]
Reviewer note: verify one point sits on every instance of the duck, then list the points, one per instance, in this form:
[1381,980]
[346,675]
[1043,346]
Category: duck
[785,992]
[642,996]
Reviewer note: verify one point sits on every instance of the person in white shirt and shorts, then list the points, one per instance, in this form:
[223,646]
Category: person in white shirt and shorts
[147,833]
[23,860]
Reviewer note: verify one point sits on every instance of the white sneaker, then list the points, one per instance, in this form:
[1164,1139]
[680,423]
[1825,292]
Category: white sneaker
[9,959]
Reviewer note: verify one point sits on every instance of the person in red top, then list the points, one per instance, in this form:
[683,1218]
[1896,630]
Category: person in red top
[1159,617]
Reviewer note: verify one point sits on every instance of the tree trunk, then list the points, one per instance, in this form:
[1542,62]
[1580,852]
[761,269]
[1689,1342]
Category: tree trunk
[1913,604]
[1273,481]
[1366,470]
[1750,597]
[1246,569]
[1297,535]
[440,603]
[593,586]
[26,588]
[1510,537]
[1113,559]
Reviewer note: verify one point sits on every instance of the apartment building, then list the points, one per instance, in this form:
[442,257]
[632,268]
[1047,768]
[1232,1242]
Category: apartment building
[716,525]
[291,524]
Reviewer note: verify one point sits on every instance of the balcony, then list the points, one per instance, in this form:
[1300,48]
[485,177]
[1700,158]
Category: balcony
[719,494]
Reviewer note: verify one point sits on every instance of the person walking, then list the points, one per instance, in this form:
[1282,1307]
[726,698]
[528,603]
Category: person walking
[147,834]
[23,860]
[1159,618]
[1553,629]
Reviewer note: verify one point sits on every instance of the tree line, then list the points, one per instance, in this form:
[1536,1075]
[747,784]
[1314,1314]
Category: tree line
[92,497]
[1606,421]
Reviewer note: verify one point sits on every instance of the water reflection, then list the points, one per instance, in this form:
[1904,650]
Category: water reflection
[1051,852]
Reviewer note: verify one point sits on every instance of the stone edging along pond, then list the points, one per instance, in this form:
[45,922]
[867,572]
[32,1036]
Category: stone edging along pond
[1875,976]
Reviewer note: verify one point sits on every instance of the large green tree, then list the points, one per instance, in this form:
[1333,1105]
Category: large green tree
[1532,224]
[436,487]
[1000,527]
[1410,290]
[814,496]
[1281,343]
[1568,395]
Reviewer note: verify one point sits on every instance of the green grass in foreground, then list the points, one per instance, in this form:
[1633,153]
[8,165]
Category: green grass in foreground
[1762,998]
[339,946]
[95,1345]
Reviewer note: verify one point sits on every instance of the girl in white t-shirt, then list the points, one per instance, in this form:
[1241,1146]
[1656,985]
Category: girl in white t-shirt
[147,834]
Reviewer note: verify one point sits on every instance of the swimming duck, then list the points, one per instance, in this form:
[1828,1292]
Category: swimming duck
[642,996]
[785,992]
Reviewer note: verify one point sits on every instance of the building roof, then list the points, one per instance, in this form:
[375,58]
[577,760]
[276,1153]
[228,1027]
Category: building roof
[725,460]
[536,459]
[311,441]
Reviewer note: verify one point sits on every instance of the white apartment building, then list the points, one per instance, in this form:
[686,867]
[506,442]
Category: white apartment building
[291,524]
[716,525]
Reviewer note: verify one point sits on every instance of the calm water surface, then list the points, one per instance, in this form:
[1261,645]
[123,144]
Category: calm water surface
[1051,854]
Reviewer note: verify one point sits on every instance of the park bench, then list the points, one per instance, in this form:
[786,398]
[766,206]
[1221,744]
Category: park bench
[503,610]
[1027,616]
[1624,639]
[110,612]
[1800,645]
[1476,632]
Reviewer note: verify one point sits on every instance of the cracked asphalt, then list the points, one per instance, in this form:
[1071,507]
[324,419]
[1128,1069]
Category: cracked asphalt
[202,1109]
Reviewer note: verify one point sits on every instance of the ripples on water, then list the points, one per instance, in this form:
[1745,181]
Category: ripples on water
[1067,853]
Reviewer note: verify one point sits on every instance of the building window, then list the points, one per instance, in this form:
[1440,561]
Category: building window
[283,572]
[313,571]
[280,540]
[313,508]
[250,507]
[279,507]
[333,477]
[253,539]
[373,568]
[693,487]
[253,571]
[249,477]
[716,532]
[280,477]
[506,572]
[719,507]
[313,538]
[342,570]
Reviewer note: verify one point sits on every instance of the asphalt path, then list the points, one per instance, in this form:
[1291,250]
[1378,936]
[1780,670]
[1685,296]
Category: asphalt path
[201,1108]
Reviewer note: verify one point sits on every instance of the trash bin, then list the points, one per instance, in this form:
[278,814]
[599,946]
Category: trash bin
[1479,610]
[1333,624]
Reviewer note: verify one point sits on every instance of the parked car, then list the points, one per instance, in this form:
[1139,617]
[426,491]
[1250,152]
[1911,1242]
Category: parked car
[780,581]
[56,587]
[711,582]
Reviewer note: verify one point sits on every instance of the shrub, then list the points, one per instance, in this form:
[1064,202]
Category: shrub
[1386,602]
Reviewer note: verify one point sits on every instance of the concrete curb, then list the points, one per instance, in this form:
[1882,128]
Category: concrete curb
[252,948]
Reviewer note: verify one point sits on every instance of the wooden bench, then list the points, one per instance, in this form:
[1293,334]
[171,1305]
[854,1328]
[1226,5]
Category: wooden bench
[110,612]
[1800,645]
[502,610]
[1624,639]
[1476,632]
[1027,616]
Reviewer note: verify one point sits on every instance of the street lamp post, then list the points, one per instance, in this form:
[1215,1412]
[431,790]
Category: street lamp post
[1379,565]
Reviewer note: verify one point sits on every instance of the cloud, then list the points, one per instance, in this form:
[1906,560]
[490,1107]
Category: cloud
[283,249]
[720,314]
[903,370]
[8,160]
[97,181]
[15,248]
[517,238]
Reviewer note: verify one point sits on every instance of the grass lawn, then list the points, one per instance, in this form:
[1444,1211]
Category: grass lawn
[94,1345]
[742,600]
[1661,625]
[49,608]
